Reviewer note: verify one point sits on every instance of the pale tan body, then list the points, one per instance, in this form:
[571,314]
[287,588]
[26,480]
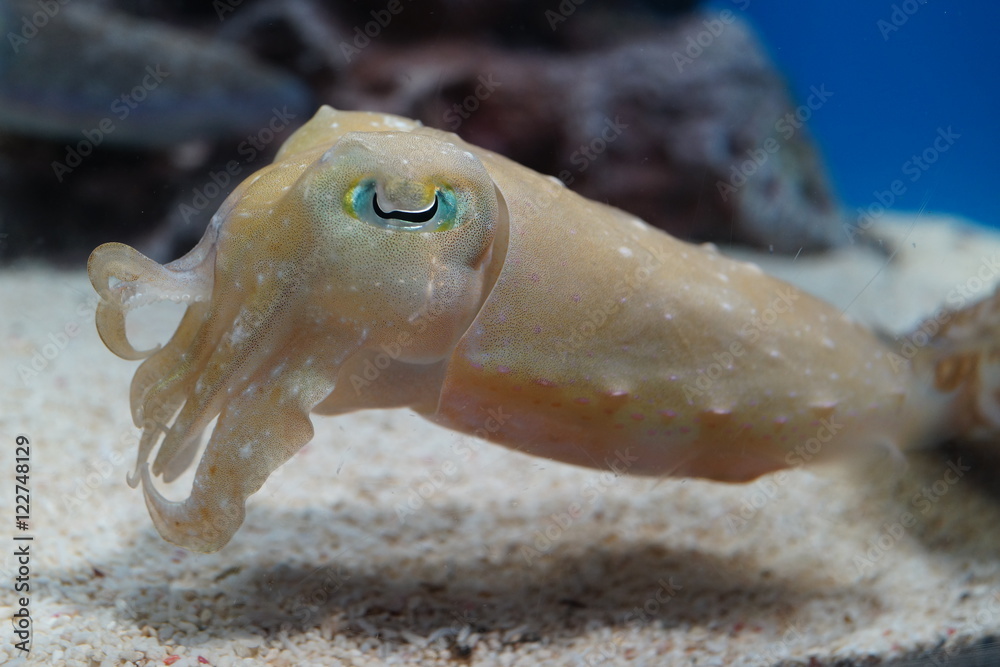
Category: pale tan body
[541,320]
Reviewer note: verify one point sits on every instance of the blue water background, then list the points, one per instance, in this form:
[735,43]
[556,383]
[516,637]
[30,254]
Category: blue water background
[892,91]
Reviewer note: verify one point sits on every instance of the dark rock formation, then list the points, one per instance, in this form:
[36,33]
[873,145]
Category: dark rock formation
[699,140]
[675,116]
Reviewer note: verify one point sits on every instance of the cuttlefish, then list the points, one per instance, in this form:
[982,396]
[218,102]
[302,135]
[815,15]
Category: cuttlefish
[378,263]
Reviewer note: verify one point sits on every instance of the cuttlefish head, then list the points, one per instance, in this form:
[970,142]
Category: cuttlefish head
[332,252]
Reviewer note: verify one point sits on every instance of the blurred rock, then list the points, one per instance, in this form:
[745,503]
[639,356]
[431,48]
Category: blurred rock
[99,109]
[696,140]
[641,104]
[80,73]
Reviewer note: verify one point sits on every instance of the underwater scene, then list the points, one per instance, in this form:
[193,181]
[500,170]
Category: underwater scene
[437,332]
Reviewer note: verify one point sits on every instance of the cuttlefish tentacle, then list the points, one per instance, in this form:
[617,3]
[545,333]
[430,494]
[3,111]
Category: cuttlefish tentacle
[140,281]
[164,379]
[240,456]
[168,374]
[190,367]
[229,350]
[167,363]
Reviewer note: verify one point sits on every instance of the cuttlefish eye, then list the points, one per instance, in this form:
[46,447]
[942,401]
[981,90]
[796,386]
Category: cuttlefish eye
[367,201]
[416,217]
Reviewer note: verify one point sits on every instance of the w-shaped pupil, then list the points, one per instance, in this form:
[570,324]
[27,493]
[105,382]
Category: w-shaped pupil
[406,216]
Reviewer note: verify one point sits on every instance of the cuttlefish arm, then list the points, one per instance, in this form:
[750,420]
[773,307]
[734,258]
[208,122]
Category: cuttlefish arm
[300,276]
[378,263]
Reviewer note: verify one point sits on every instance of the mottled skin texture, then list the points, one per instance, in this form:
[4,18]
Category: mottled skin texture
[514,310]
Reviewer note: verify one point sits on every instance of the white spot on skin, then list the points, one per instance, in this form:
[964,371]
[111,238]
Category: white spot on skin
[625,252]
[397,123]
[246,450]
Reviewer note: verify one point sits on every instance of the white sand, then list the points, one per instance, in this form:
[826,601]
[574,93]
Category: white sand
[325,572]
